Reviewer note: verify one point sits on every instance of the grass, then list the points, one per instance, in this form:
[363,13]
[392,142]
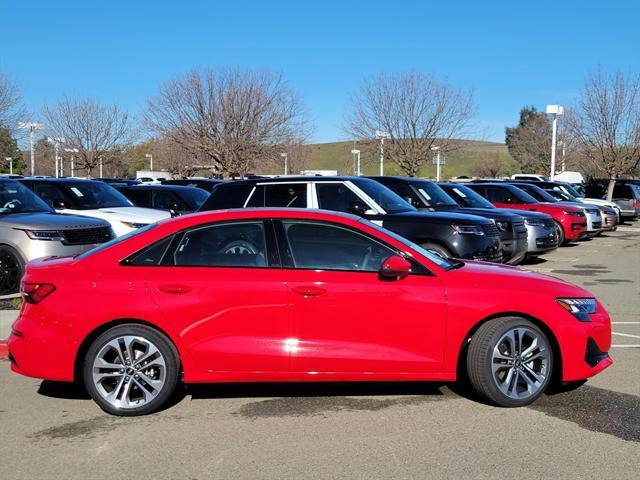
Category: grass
[463,161]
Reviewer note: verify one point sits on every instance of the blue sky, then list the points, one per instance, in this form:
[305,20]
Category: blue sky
[511,53]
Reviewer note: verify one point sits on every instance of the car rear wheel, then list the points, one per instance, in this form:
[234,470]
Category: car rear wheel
[509,361]
[131,370]
[560,233]
[11,270]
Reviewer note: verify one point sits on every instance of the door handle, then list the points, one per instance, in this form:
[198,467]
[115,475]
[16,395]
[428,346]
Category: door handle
[174,288]
[309,290]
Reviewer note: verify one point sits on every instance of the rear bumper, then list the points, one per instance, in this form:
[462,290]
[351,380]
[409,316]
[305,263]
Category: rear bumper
[41,349]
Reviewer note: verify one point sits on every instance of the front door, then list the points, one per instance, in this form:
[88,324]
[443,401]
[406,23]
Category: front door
[345,318]
[223,295]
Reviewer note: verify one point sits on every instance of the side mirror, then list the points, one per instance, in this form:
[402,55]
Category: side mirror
[59,204]
[395,268]
[357,208]
[175,207]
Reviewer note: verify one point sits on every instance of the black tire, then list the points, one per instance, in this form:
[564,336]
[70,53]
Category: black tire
[11,270]
[438,249]
[171,368]
[560,232]
[480,361]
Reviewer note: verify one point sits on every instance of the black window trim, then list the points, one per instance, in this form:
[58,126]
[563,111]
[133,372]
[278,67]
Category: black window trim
[273,255]
[287,258]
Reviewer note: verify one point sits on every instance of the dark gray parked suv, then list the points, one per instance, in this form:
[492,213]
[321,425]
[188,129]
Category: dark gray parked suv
[30,229]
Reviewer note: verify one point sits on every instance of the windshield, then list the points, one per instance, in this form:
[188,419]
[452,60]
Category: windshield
[537,193]
[94,195]
[521,195]
[466,197]
[434,195]
[16,198]
[568,189]
[195,197]
[389,201]
[437,259]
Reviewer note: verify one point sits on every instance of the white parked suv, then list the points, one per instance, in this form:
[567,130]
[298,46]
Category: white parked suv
[93,199]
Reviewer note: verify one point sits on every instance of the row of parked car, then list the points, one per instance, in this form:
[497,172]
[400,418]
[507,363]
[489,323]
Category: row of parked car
[495,221]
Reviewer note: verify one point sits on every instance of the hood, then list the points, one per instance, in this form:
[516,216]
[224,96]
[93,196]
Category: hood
[492,213]
[526,213]
[598,201]
[127,214]
[49,221]
[506,278]
[437,217]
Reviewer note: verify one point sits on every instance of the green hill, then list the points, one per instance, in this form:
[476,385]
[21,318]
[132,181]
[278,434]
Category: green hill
[463,161]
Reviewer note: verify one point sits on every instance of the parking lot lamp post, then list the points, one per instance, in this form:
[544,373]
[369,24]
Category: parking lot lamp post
[71,151]
[286,163]
[356,153]
[10,160]
[382,135]
[56,149]
[437,150]
[100,160]
[556,111]
[150,157]
[32,128]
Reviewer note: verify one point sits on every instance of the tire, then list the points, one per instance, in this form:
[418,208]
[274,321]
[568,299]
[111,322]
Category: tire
[502,378]
[11,270]
[439,250]
[560,231]
[126,389]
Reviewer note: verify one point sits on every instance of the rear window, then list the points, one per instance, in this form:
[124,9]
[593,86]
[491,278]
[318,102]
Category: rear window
[227,195]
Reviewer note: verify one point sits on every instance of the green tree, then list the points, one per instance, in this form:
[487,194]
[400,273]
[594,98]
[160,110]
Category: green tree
[9,148]
[529,142]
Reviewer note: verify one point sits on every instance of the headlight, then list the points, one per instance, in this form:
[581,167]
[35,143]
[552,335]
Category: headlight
[580,308]
[534,222]
[134,224]
[502,225]
[573,214]
[49,235]
[468,229]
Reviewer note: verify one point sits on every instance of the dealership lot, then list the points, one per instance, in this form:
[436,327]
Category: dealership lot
[359,430]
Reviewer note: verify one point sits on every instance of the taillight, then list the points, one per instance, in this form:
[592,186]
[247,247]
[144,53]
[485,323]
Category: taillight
[36,292]
[634,202]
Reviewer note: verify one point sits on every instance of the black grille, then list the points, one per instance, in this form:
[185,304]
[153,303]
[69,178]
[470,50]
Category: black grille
[86,236]
[490,230]
[596,225]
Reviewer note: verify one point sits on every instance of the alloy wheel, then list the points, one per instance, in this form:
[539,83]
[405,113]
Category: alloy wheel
[129,372]
[10,273]
[520,363]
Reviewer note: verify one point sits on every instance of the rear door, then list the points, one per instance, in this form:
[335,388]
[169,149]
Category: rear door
[222,289]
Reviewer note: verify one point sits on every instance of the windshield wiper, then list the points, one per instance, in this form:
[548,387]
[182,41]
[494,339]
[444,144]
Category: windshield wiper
[455,263]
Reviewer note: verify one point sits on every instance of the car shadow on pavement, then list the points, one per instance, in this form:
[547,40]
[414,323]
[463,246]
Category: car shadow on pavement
[66,390]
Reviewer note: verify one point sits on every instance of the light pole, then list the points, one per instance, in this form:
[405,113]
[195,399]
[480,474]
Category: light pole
[100,164]
[10,160]
[564,145]
[32,128]
[286,163]
[150,157]
[437,150]
[556,111]
[72,151]
[382,135]
[56,141]
[356,154]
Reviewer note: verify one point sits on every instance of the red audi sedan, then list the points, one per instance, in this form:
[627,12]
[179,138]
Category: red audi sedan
[295,295]
[571,222]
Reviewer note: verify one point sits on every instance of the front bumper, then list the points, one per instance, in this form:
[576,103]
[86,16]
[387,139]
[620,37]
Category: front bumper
[610,222]
[541,239]
[584,346]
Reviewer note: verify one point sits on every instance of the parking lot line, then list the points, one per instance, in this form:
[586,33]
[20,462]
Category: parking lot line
[625,335]
[625,323]
[625,346]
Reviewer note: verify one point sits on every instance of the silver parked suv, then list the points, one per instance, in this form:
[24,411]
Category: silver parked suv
[30,229]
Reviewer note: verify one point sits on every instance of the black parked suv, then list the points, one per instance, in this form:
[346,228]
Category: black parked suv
[448,234]
[207,184]
[428,196]
[175,198]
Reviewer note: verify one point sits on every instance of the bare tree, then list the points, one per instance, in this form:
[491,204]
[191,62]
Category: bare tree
[488,165]
[604,124]
[232,119]
[96,130]
[10,104]
[416,110]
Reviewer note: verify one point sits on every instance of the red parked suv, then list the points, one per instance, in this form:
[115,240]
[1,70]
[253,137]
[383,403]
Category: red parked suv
[296,295]
[571,222]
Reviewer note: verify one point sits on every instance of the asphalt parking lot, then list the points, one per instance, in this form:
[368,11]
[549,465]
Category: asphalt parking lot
[401,431]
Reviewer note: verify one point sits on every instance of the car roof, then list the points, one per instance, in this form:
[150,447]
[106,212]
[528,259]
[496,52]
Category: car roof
[157,187]
[298,178]
[59,180]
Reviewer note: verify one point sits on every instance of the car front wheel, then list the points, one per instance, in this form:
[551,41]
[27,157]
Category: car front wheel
[509,361]
[131,370]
